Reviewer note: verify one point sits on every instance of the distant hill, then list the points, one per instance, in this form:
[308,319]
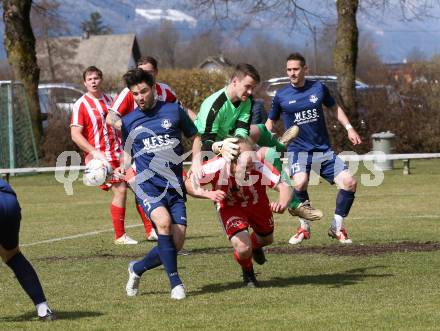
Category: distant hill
[395,39]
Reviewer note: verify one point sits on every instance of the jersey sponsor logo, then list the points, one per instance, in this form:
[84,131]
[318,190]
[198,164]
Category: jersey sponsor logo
[313,98]
[157,141]
[306,116]
[166,123]
[292,101]
[161,154]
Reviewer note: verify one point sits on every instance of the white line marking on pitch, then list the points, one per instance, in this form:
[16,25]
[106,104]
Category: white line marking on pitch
[87,234]
[401,217]
[93,233]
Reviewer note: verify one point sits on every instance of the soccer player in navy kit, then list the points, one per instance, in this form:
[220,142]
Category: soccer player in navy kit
[152,135]
[301,103]
[10,217]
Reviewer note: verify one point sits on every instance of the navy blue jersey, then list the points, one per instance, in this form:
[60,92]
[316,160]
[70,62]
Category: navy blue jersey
[156,148]
[303,106]
[5,187]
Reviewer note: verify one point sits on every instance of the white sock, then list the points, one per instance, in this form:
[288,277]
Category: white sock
[337,223]
[42,309]
[305,224]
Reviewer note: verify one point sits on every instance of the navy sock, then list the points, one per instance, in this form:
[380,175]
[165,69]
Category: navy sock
[168,256]
[302,195]
[27,277]
[344,200]
[150,261]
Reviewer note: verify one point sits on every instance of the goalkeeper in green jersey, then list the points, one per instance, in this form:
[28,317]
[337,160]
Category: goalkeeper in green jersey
[227,114]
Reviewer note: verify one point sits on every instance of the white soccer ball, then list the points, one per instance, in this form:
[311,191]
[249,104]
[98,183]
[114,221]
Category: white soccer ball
[96,173]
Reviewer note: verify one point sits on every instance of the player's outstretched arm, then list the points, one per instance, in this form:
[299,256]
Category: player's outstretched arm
[197,168]
[284,198]
[269,124]
[201,193]
[114,120]
[125,163]
[192,115]
[353,136]
[194,189]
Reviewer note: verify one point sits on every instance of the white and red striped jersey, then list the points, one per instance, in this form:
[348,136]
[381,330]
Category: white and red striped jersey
[90,113]
[240,192]
[124,102]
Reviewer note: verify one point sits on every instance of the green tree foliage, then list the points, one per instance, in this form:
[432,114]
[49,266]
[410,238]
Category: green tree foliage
[94,25]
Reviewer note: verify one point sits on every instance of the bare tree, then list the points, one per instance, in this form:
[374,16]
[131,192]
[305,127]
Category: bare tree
[161,42]
[369,67]
[416,55]
[199,47]
[345,54]
[47,22]
[263,52]
[19,42]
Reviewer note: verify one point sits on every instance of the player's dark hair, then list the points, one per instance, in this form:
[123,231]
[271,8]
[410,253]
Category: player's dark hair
[297,57]
[137,76]
[91,69]
[147,60]
[244,69]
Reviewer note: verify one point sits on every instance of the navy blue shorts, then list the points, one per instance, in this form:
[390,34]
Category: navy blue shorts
[155,197]
[327,164]
[10,217]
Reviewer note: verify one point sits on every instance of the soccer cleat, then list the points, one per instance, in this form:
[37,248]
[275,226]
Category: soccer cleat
[132,287]
[50,316]
[306,211]
[249,278]
[258,256]
[152,236]
[125,240]
[290,135]
[341,236]
[300,235]
[178,292]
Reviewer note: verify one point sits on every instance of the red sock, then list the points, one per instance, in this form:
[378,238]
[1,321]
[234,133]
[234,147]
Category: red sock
[246,263]
[118,217]
[255,243]
[147,223]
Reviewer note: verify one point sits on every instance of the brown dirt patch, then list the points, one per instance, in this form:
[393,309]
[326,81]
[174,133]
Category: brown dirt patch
[332,250]
[358,250]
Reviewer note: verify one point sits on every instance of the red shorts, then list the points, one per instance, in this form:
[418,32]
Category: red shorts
[236,219]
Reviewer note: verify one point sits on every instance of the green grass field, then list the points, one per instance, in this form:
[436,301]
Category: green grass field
[376,284]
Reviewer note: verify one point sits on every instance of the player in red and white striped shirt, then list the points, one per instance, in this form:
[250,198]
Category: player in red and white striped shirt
[246,204]
[124,104]
[98,140]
